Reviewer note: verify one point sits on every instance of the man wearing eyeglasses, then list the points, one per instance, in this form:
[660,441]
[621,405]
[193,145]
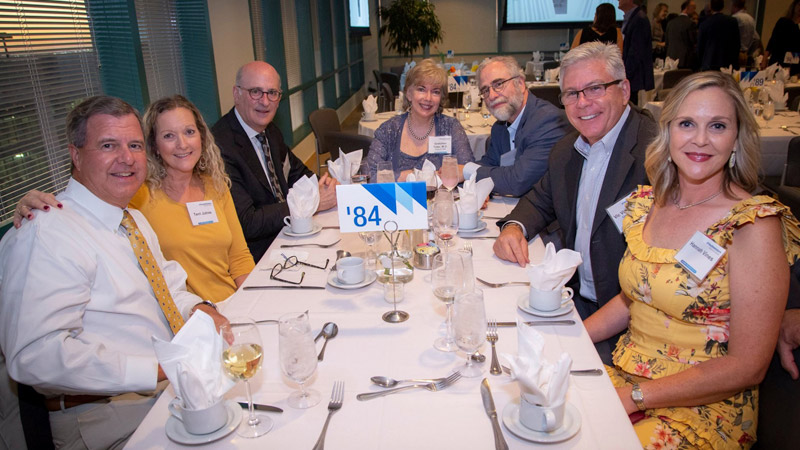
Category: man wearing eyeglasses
[590,172]
[261,166]
[527,127]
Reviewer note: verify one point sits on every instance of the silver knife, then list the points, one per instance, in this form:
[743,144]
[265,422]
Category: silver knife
[250,288]
[257,407]
[491,411]
[538,322]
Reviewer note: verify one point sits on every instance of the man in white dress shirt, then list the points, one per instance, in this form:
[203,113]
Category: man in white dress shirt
[77,312]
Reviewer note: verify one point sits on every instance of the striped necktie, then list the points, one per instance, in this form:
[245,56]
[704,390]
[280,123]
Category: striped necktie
[275,184]
[153,273]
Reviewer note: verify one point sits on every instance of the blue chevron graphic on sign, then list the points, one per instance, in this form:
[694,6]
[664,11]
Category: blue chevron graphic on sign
[404,194]
[384,193]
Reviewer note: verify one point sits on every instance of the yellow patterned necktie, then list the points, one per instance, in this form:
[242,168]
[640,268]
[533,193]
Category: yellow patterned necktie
[152,272]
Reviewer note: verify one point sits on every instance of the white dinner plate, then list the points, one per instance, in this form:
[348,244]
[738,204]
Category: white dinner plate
[314,230]
[524,304]
[570,427]
[369,278]
[481,226]
[178,433]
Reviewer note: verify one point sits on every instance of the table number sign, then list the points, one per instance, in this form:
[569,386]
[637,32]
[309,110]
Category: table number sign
[367,207]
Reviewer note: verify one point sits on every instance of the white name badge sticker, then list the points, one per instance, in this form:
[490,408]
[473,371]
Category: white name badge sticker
[699,255]
[439,145]
[202,213]
[367,207]
[617,212]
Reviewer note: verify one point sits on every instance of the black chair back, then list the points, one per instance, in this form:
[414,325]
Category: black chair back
[35,418]
[672,77]
[323,121]
[348,142]
[791,172]
[386,98]
[549,93]
[394,81]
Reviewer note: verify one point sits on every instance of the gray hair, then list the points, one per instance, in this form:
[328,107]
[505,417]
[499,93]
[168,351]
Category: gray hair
[92,106]
[608,53]
[511,65]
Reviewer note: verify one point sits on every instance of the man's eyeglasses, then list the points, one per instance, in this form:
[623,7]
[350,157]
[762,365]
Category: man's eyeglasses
[290,262]
[273,95]
[497,86]
[589,92]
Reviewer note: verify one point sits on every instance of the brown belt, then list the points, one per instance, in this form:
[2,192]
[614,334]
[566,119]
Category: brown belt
[69,401]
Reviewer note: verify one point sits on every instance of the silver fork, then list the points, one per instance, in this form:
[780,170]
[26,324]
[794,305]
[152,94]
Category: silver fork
[433,387]
[468,247]
[337,397]
[311,245]
[492,337]
[507,283]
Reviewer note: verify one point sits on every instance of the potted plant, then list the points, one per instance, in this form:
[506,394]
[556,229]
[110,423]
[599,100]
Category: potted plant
[410,25]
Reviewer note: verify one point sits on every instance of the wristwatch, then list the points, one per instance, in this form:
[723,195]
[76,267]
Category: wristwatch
[204,302]
[638,397]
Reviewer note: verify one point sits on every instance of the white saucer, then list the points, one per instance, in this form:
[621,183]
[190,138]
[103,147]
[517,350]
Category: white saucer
[481,226]
[572,423]
[314,230]
[369,278]
[524,304]
[178,433]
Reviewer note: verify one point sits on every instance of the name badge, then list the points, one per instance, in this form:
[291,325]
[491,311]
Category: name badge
[699,255]
[617,212]
[202,213]
[367,207]
[439,145]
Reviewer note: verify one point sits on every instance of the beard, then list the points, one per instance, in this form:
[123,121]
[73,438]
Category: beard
[509,109]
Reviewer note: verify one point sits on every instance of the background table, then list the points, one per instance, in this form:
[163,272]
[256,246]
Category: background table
[477,132]
[453,418]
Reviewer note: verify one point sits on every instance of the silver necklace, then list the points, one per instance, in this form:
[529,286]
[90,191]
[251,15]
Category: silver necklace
[675,201]
[411,132]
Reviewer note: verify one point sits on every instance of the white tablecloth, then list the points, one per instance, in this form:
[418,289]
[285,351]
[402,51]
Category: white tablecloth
[366,346]
[477,132]
[774,139]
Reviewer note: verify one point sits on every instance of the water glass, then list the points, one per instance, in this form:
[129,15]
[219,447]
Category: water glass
[769,111]
[447,278]
[362,175]
[298,356]
[469,322]
[386,172]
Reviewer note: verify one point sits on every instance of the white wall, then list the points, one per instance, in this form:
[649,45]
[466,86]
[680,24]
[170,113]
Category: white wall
[232,40]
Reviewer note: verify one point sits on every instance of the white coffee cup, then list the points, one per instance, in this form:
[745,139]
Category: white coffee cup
[467,221]
[299,224]
[350,270]
[549,300]
[541,418]
[200,421]
[368,115]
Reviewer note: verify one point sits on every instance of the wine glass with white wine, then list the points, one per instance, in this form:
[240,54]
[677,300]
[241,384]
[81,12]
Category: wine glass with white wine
[241,359]
[298,357]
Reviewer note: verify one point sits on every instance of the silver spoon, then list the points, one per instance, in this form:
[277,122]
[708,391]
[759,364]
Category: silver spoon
[329,331]
[391,382]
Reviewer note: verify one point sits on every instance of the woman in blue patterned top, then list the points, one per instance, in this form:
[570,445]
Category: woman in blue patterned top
[403,139]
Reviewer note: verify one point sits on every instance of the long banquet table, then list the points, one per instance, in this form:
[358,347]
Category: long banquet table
[366,346]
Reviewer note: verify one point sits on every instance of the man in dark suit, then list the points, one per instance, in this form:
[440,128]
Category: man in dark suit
[527,127]
[261,167]
[718,40]
[681,37]
[590,170]
[637,47]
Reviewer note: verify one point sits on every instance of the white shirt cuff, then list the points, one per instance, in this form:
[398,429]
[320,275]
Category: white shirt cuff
[141,373]
[469,169]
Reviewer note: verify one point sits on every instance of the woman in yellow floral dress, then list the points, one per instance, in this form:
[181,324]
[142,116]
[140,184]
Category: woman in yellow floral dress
[695,350]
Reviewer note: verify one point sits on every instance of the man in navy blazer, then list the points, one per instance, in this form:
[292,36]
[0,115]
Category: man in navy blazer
[527,127]
[637,47]
[256,97]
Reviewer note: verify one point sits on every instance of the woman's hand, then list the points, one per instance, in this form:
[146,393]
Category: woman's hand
[403,175]
[33,200]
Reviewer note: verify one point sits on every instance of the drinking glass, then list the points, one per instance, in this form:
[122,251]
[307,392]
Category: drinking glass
[449,172]
[241,359]
[370,256]
[298,357]
[385,172]
[469,322]
[362,175]
[769,111]
[537,73]
[447,278]
[445,222]
[467,103]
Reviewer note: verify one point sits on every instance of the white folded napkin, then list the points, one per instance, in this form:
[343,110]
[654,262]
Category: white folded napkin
[408,66]
[540,382]
[551,75]
[474,193]
[193,362]
[555,269]
[370,104]
[537,56]
[426,174]
[757,60]
[344,167]
[775,92]
[303,197]
[671,64]
[398,102]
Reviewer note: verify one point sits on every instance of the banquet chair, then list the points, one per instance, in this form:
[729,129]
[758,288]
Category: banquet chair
[347,142]
[394,81]
[672,77]
[549,93]
[386,98]
[35,418]
[322,121]
[789,189]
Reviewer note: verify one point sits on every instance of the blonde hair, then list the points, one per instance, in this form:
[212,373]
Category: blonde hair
[427,71]
[210,163]
[663,173]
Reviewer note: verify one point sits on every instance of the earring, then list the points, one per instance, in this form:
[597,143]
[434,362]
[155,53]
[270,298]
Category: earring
[669,159]
[732,160]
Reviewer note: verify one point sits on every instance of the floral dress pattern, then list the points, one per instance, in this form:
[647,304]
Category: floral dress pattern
[677,322]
